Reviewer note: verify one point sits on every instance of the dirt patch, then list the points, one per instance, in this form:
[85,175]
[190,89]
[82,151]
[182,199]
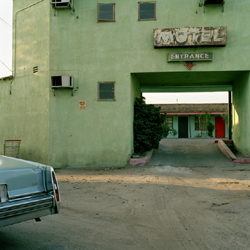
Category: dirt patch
[189,197]
[160,207]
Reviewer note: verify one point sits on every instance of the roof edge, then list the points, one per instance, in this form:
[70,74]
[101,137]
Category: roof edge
[6,78]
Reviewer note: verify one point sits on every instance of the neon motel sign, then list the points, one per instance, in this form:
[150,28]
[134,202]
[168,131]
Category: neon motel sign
[190,37]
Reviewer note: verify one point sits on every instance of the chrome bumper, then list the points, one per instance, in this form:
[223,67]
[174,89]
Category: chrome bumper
[27,208]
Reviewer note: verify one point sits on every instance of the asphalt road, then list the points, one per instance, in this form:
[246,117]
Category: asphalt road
[175,202]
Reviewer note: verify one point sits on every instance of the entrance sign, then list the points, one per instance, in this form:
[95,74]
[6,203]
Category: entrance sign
[190,37]
[190,57]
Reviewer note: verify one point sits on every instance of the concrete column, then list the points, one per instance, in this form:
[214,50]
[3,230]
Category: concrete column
[229,115]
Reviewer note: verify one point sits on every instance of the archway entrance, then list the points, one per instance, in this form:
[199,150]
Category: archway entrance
[213,81]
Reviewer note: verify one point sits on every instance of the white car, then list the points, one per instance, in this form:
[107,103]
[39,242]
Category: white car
[28,190]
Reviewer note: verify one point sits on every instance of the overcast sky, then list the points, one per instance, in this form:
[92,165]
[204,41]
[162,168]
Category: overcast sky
[159,98]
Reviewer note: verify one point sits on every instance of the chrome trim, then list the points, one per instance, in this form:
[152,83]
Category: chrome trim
[24,217]
[24,195]
[23,206]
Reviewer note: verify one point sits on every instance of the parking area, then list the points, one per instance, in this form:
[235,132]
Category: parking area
[179,200]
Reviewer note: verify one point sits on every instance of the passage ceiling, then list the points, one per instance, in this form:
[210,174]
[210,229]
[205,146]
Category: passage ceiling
[188,81]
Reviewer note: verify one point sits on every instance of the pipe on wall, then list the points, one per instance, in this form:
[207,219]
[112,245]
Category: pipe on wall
[15,21]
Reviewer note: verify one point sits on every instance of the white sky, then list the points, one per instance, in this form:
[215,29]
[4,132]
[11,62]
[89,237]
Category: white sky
[204,97]
[154,98]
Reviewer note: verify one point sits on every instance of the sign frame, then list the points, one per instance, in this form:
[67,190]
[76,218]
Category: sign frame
[190,57]
[190,37]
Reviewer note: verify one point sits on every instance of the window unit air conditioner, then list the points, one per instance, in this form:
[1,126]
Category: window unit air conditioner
[61,82]
[214,1]
[211,2]
[62,4]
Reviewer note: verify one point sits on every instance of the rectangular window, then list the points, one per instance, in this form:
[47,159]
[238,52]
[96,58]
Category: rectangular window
[202,125]
[147,11]
[106,12]
[169,122]
[106,91]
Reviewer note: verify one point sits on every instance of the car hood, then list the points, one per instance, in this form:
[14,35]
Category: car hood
[22,177]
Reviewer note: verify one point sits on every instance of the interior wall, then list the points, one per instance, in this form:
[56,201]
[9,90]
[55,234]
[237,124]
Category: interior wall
[135,92]
[241,114]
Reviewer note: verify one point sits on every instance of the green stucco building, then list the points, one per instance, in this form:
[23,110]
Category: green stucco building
[78,66]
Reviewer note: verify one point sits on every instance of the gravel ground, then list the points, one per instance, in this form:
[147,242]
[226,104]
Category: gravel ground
[174,202]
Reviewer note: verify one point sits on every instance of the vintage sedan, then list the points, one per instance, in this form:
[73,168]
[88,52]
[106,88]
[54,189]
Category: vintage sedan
[28,190]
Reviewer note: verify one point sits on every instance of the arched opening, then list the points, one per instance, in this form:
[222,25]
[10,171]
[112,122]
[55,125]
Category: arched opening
[203,82]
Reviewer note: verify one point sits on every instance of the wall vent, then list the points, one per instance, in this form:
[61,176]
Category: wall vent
[35,69]
[57,4]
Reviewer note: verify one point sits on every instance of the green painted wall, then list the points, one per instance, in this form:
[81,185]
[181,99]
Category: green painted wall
[25,113]
[135,92]
[241,114]
[92,52]
[53,129]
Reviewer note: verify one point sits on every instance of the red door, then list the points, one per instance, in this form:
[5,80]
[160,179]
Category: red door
[219,127]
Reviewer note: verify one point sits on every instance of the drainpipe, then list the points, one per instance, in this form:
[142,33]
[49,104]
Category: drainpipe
[14,76]
[229,115]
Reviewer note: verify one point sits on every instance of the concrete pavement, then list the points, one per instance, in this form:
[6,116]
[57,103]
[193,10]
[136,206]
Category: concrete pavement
[190,153]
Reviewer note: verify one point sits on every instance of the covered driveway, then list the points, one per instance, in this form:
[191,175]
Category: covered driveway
[189,153]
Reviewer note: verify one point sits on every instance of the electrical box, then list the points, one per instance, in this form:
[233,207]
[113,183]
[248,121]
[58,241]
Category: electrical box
[61,82]
[57,4]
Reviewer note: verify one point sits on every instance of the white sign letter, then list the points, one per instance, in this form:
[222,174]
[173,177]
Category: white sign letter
[165,36]
[206,36]
[194,33]
[216,39]
[181,38]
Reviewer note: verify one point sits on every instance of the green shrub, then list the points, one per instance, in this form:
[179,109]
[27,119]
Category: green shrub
[166,129]
[210,129]
[174,132]
[148,129]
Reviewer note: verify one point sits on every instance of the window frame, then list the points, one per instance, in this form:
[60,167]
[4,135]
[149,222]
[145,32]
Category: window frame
[98,93]
[98,20]
[204,128]
[151,19]
[171,128]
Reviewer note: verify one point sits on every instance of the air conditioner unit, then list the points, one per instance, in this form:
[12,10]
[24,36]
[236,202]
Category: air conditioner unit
[211,2]
[62,3]
[214,1]
[61,82]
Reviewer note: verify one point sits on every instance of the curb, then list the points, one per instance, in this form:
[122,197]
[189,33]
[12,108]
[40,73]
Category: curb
[225,150]
[229,154]
[144,160]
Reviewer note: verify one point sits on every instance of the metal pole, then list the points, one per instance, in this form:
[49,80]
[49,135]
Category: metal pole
[229,115]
